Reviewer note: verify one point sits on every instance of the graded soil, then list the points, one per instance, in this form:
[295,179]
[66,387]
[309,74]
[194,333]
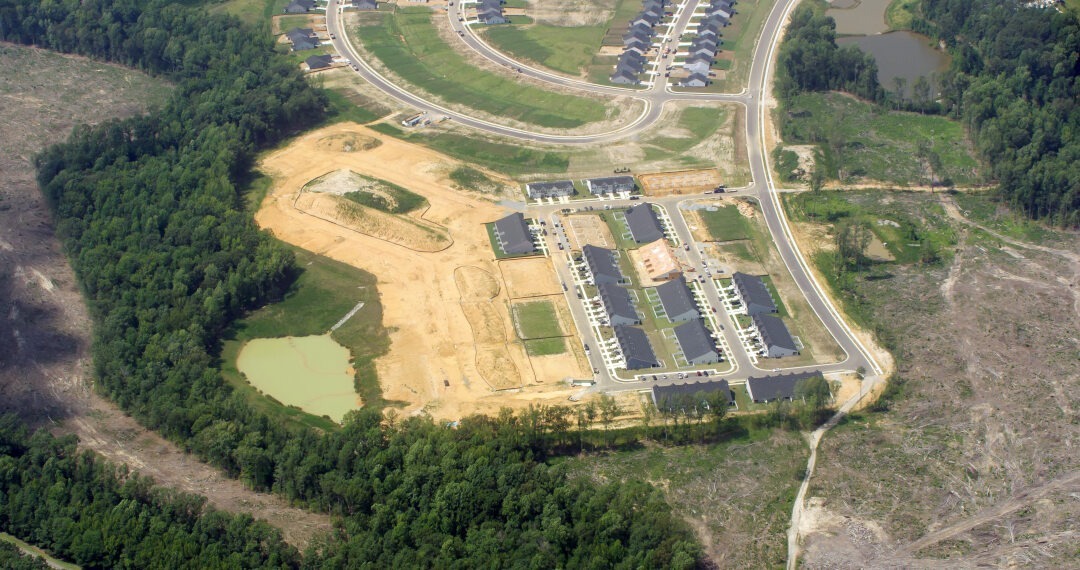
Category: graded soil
[453,349]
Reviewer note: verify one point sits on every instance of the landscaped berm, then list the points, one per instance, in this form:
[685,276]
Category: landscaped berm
[453,346]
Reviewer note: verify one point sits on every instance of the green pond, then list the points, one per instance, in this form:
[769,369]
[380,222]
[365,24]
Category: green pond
[310,372]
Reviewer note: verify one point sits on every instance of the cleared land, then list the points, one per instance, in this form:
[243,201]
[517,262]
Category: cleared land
[588,229]
[451,334]
[863,144]
[984,402]
[45,335]
[681,182]
[408,43]
[531,277]
[737,495]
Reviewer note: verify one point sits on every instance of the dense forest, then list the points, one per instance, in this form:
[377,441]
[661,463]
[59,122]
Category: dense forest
[1014,81]
[150,212]
[11,558]
[94,514]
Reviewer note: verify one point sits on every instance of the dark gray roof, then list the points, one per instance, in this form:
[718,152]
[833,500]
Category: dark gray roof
[695,80]
[299,6]
[651,18]
[675,296]
[774,332]
[644,225]
[705,42]
[641,31]
[611,184]
[302,38]
[319,61]
[617,301]
[752,290]
[601,262]
[639,45]
[513,235]
[694,339]
[551,188]
[662,394]
[365,4]
[776,387]
[698,58]
[624,75]
[635,348]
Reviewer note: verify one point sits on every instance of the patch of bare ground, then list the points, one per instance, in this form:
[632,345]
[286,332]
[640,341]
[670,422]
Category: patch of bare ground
[975,460]
[571,13]
[45,373]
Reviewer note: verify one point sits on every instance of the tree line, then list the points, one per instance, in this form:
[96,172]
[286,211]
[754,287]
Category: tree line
[150,213]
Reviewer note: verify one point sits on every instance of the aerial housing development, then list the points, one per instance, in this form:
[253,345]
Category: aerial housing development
[509,283]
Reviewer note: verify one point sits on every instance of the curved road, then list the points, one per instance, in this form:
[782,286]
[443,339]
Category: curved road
[654,97]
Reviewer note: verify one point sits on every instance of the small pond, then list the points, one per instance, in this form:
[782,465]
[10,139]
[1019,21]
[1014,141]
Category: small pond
[900,54]
[862,17]
[312,373]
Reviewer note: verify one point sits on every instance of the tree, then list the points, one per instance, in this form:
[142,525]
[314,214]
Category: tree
[852,239]
[814,392]
[609,410]
[899,83]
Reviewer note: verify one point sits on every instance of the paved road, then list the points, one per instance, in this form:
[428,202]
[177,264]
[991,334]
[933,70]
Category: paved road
[754,100]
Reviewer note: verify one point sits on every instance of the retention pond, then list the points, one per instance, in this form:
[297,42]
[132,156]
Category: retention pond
[310,372]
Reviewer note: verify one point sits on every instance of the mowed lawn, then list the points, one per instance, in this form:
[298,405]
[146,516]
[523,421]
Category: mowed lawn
[878,144]
[408,43]
[537,319]
[725,224]
[545,346]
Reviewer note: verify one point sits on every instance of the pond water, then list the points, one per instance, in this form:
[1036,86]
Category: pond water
[900,54]
[863,17]
[310,372]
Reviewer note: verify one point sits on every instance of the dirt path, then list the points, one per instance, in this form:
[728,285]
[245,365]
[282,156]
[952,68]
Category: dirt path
[1069,482]
[45,372]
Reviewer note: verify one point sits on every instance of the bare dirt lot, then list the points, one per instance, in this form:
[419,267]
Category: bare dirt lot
[974,463]
[44,325]
[453,350]
[680,182]
[530,277]
[588,229]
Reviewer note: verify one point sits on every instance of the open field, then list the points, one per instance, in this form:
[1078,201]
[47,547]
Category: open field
[736,495]
[588,229]
[863,144]
[408,43]
[980,416]
[45,373]
[451,336]
[564,36]
[725,223]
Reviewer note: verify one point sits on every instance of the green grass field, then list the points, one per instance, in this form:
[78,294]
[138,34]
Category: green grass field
[404,201]
[702,122]
[545,346]
[536,319]
[504,158]
[725,224]
[323,293]
[466,178]
[876,144]
[567,50]
[408,43]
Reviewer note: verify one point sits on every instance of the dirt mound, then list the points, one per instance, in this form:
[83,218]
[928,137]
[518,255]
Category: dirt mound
[343,181]
[347,142]
[406,231]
